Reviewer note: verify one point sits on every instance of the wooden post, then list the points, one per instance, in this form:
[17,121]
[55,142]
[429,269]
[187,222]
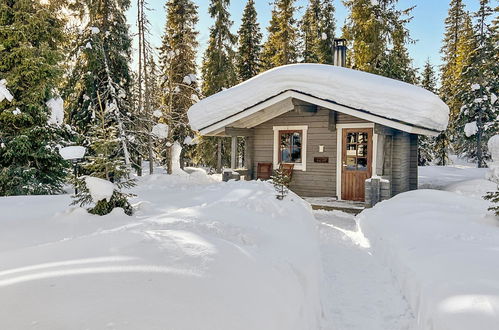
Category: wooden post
[233,153]
[375,191]
[248,156]
[219,155]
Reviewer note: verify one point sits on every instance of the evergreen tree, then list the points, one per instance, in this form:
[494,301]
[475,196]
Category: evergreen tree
[328,26]
[426,149]
[178,66]
[451,69]
[317,32]
[398,63]
[250,38]
[477,120]
[100,74]
[105,163]
[218,67]
[31,35]
[311,32]
[281,46]
[281,181]
[144,113]
[219,72]
[379,36]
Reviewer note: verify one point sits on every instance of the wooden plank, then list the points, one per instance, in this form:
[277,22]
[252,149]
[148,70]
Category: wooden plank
[332,121]
[235,131]
[233,152]
[249,150]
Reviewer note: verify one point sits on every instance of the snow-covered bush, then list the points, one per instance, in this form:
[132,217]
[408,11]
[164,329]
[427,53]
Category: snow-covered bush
[493,174]
[103,195]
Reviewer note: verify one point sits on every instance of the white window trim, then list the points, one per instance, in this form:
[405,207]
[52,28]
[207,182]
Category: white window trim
[339,149]
[304,128]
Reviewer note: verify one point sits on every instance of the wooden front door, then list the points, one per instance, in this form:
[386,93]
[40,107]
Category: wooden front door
[356,162]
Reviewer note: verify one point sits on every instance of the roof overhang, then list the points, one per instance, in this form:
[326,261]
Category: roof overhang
[282,102]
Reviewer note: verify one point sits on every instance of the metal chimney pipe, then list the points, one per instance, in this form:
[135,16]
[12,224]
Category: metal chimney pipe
[340,52]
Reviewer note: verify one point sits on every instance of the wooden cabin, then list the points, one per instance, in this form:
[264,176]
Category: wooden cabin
[349,135]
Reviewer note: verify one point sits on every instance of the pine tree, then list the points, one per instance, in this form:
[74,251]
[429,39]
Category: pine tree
[311,32]
[398,63]
[144,110]
[219,72]
[106,164]
[426,149]
[250,39]
[328,26]
[218,67]
[379,36]
[451,69]
[281,47]
[281,182]
[317,32]
[178,66]
[100,74]
[477,120]
[31,35]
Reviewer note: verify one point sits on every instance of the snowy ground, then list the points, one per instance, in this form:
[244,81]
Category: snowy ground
[197,254]
[442,247]
[360,292]
[201,254]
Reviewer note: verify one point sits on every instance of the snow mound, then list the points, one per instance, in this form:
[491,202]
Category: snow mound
[374,94]
[4,92]
[443,254]
[56,107]
[72,152]
[470,129]
[439,177]
[99,189]
[493,173]
[160,131]
[213,256]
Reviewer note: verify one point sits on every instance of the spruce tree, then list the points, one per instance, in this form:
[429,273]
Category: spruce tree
[281,46]
[451,69]
[317,32]
[398,63]
[311,32]
[218,67]
[31,35]
[378,35]
[219,72]
[105,163]
[178,67]
[426,148]
[328,26]
[477,120]
[250,39]
[100,74]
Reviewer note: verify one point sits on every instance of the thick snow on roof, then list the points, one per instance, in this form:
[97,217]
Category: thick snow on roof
[377,95]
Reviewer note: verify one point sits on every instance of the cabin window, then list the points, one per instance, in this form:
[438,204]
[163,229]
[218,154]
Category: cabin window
[290,146]
[290,143]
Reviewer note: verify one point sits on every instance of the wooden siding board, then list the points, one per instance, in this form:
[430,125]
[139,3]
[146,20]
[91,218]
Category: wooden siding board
[319,179]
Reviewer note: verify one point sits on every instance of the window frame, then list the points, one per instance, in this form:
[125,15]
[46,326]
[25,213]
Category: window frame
[303,129]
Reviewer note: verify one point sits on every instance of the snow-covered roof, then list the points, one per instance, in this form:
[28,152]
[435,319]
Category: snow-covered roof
[370,94]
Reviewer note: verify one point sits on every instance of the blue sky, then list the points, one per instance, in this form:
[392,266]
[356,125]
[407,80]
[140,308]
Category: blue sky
[427,27]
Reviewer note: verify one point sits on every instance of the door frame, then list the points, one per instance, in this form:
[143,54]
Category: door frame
[339,151]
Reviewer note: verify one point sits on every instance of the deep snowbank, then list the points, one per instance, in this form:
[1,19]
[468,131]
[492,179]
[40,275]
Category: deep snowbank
[197,255]
[375,94]
[439,177]
[443,249]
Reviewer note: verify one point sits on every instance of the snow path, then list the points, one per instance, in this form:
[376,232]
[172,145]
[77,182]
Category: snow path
[359,292]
